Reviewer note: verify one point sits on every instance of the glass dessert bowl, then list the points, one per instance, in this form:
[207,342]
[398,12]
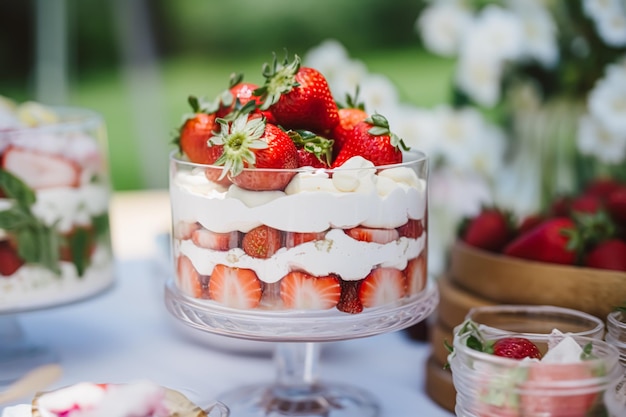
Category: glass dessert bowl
[336,254]
[574,376]
[54,206]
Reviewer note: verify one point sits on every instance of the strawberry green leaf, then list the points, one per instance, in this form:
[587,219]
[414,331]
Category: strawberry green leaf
[16,189]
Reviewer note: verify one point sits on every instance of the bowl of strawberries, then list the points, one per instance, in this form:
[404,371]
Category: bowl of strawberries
[573,254]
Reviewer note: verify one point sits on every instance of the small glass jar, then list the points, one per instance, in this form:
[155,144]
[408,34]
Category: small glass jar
[493,386]
[533,320]
[616,332]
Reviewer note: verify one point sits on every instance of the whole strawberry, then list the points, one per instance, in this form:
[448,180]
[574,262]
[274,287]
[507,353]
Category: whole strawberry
[349,116]
[516,348]
[251,142]
[194,134]
[551,241]
[616,205]
[490,230]
[313,150]
[372,140]
[298,97]
[610,254]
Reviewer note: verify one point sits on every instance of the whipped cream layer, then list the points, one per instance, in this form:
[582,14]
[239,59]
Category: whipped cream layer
[312,202]
[338,253]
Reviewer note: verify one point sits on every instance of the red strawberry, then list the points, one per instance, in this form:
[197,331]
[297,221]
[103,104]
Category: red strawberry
[293,239]
[516,348]
[601,187]
[610,254]
[261,242]
[586,203]
[193,137]
[302,291]
[490,230]
[616,205]
[560,207]
[365,234]
[298,97]
[250,142]
[9,259]
[348,119]
[350,301]
[529,222]
[216,241]
[313,150]
[411,229]
[41,170]
[382,286]
[235,287]
[416,274]
[550,241]
[188,279]
[372,140]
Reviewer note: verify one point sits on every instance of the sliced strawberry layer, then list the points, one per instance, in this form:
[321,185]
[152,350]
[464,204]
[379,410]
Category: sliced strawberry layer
[216,241]
[302,291]
[411,229]
[235,287]
[40,170]
[189,280]
[416,274]
[365,234]
[350,301]
[184,230]
[382,286]
[262,242]
[296,238]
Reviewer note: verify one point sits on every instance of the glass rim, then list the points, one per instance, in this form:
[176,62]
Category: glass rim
[480,356]
[614,318]
[70,118]
[512,308]
[417,157]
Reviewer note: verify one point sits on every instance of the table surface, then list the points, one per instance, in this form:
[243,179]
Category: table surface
[126,334]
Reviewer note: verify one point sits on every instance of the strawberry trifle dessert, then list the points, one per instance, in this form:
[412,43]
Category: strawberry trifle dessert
[54,200]
[283,200]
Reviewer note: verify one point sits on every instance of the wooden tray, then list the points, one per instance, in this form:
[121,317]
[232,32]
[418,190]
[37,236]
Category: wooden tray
[438,334]
[455,302]
[439,386]
[507,280]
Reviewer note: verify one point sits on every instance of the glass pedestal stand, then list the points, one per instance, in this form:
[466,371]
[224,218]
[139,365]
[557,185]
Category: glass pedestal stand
[18,355]
[296,390]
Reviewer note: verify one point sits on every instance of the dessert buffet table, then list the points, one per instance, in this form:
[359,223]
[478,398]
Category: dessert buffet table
[126,334]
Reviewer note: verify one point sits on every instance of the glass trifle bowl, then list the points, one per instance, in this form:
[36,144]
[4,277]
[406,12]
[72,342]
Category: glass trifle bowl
[335,254]
[55,246]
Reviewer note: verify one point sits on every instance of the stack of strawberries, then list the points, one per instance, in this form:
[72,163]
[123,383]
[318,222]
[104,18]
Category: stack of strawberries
[291,121]
[586,229]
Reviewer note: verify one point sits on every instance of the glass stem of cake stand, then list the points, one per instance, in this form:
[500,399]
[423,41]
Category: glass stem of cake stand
[298,392]
[17,354]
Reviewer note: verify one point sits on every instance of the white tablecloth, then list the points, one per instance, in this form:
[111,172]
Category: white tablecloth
[126,334]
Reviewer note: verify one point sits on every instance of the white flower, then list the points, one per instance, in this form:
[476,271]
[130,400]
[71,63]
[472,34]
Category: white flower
[327,57]
[442,26]
[501,31]
[609,17]
[596,141]
[540,32]
[417,128]
[378,94]
[468,142]
[607,100]
[478,74]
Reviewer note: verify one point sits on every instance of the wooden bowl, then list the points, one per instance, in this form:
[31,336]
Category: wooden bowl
[455,302]
[439,385]
[508,280]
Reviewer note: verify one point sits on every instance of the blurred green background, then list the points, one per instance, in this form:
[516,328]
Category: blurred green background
[136,61]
